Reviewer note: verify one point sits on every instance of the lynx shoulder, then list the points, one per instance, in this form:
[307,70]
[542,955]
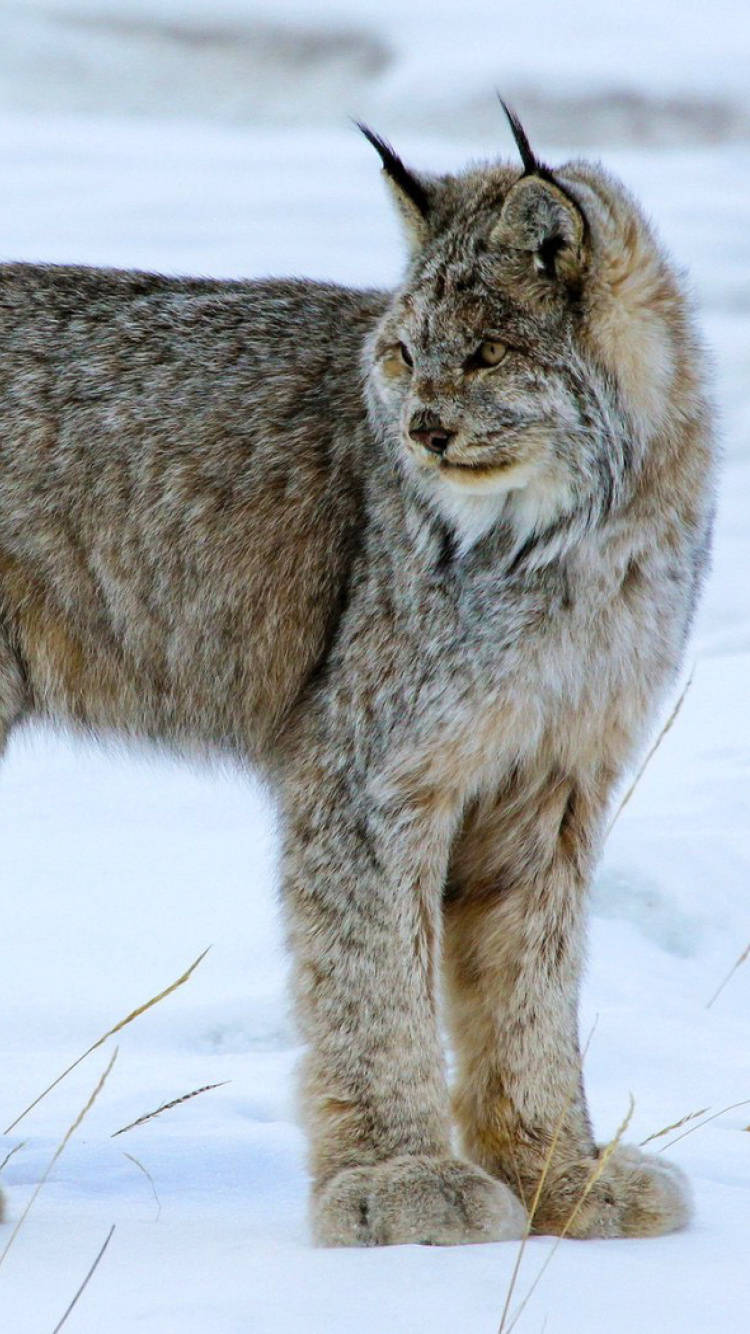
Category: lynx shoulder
[428,559]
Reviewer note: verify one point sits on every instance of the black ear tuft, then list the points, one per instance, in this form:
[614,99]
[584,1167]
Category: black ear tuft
[528,157]
[533,167]
[398,172]
[531,164]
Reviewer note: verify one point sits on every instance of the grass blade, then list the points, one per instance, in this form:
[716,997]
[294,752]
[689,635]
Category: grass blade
[150,1180]
[667,726]
[11,1154]
[743,957]
[58,1151]
[134,1014]
[591,1181]
[534,1205]
[166,1106]
[691,1116]
[744,1103]
[86,1281]
[548,1158]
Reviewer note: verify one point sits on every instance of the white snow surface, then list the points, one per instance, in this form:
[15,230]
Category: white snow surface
[119,868]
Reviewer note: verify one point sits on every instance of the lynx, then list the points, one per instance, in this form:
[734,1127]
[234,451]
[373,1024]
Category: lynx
[427,560]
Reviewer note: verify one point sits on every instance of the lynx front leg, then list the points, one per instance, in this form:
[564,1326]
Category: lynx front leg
[363,922]
[514,943]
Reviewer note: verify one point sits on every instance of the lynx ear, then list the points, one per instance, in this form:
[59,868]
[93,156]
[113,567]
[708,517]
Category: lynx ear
[539,215]
[410,194]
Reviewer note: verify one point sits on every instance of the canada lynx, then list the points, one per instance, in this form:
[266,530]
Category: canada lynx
[428,560]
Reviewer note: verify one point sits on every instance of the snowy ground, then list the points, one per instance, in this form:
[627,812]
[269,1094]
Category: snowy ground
[118,870]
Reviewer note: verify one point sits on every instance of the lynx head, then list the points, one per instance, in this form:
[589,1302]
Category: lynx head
[527,362]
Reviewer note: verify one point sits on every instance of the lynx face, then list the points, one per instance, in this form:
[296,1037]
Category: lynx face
[489,399]
[517,371]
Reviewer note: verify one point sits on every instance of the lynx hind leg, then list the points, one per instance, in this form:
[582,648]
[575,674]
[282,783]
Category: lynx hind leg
[432,1201]
[513,947]
[12,707]
[13,690]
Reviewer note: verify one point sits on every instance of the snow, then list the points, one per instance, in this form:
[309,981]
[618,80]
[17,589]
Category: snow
[120,868]
[668,72]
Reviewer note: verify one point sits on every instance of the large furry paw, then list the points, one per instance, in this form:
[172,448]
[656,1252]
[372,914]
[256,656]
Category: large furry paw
[436,1201]
[637,1195]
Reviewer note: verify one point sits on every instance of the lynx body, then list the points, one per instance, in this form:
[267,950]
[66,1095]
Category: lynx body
[428,561]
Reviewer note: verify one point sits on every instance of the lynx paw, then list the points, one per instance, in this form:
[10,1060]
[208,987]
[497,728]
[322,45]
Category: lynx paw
[438,1202]
[637,1195]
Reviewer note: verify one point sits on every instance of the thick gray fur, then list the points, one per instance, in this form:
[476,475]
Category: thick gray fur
[427,561]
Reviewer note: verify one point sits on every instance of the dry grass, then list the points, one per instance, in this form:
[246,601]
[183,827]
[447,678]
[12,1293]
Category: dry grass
[745,1102]
[134,1014]
[167,1106]
[532,1211]
[150,1180]
[508,1322]
[12,1152]
[691,1116]
[129,1018]
[86,1281]
[58,1151]
[666,728]
[742,959]
[532,1208]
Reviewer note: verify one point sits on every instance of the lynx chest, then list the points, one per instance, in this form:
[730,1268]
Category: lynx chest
[559,670]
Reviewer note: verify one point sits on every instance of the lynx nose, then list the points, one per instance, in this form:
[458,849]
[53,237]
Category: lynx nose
[436,440]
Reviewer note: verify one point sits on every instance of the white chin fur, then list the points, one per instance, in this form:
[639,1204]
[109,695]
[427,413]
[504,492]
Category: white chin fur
[526,503]
[471,513]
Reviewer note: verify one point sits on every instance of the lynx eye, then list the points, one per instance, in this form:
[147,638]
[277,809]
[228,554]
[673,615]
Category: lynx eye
[397,360]
[489,353]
